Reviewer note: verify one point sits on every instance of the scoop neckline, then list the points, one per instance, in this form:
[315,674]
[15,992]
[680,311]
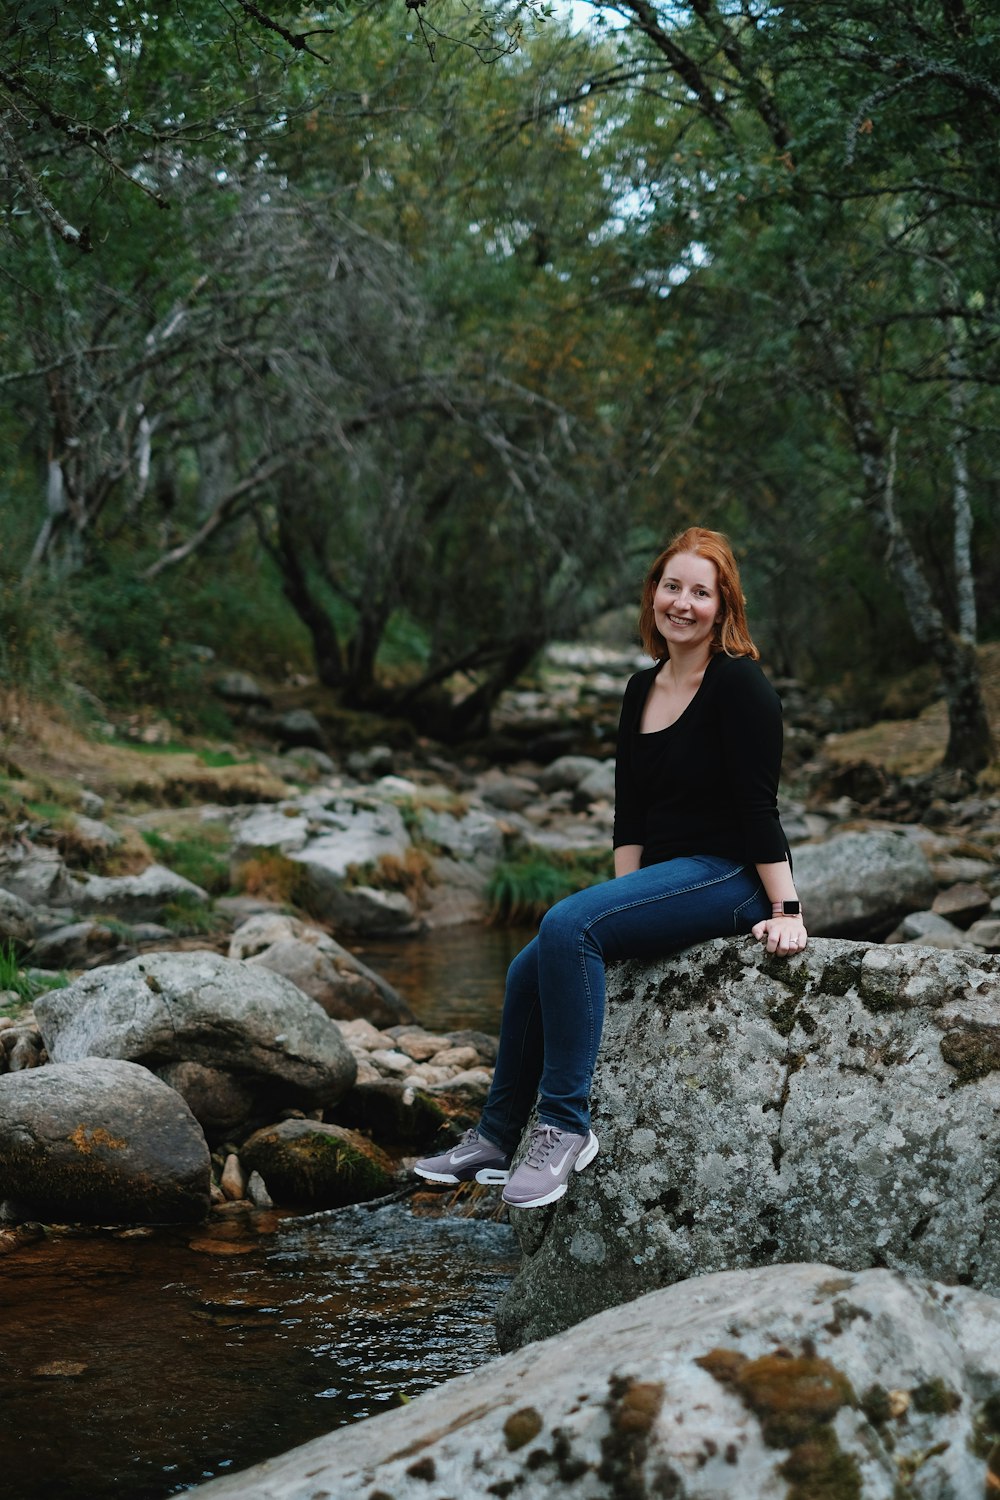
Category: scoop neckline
[646,734]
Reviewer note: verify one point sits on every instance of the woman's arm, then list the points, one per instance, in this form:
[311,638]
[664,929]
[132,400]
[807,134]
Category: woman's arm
[782,935]
[628,858]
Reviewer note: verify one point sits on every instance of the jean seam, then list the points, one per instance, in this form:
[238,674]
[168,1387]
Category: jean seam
[683,890]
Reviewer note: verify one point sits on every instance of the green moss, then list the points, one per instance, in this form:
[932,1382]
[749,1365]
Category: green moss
[935,1396]
[521,1427]
[876,1405]
[202,858]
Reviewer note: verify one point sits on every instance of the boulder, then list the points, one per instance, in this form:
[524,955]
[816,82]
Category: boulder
[223,1104]
[475,837]
[861,884]
[930,929]
[101,1141]
[312,1165]
[802,1381]
[37,876]
[838,1106]
[200,1008]
[17,920]
[330,974]
[136,898]
[986,934]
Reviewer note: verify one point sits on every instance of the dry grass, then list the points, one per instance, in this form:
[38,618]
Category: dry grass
[909,747]
[50,759]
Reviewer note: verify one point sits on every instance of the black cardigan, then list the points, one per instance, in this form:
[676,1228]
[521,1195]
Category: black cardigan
[708,783]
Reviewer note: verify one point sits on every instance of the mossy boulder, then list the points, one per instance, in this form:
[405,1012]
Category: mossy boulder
[309,1164]
[839,1106]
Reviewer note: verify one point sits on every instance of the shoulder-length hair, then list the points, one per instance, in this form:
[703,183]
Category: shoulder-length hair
[732,634]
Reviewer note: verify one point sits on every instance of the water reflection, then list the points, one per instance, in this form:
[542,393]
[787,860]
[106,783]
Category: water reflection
[139,1365]
[452,977]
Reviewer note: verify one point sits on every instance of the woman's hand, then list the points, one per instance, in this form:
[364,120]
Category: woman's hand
[781,935]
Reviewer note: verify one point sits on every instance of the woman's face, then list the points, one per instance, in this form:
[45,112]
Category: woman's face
[687,602]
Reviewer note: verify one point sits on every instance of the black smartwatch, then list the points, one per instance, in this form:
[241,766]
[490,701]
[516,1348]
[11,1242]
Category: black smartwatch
[786,909]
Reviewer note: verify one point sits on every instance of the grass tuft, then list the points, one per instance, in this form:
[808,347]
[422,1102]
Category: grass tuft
[522,890]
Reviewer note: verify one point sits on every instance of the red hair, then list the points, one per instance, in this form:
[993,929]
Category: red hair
[732,634]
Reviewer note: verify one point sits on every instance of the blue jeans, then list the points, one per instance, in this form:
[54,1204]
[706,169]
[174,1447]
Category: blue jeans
[554,1001]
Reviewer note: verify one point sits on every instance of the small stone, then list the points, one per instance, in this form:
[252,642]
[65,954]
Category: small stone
[233,1179]
[962,903]
[986,934]
[455,1057]
[257,1192]
[391,1062]
[420,1045]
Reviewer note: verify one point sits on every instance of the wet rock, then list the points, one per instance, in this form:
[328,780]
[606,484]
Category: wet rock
[838,1106]
[862,884]
[200,1008]
[327,972]
[17,920]
[101,1141]
[800,1381]
[136,898]
[308,1164]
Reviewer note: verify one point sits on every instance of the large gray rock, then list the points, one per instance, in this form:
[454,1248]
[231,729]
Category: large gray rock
[840,1106]
[330,974]
[136,898]
[168,1008]
[786,1383]
[339,844]
[17,920]
[100,1141]
[862,884]
[37,876]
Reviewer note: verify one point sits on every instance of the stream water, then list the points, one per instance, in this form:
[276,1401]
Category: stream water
[135,1364]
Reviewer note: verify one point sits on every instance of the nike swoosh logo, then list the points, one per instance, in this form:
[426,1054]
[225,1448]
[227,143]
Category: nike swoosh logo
[457,1160]
[557,1169]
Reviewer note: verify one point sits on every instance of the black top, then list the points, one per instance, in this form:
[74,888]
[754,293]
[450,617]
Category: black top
[708,783]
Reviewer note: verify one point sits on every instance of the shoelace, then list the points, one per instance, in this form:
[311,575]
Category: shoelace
[544,1140]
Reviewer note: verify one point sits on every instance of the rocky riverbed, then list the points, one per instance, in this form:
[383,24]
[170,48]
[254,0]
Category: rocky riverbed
[254,1062]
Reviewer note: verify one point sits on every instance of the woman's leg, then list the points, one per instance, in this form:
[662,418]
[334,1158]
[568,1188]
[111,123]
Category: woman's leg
[519,1055]
[645,915]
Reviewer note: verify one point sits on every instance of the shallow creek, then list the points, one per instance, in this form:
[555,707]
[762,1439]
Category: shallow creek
[135,1364]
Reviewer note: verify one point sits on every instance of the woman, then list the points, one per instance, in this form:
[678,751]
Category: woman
[699,853]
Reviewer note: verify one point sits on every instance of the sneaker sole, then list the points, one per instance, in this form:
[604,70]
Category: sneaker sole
[492,1176]
[436,1176]
[586,1156]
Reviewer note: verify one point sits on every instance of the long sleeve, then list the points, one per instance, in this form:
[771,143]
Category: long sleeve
[629,826]
[750,713]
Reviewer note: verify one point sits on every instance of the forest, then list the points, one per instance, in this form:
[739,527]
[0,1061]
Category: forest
[384,341]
